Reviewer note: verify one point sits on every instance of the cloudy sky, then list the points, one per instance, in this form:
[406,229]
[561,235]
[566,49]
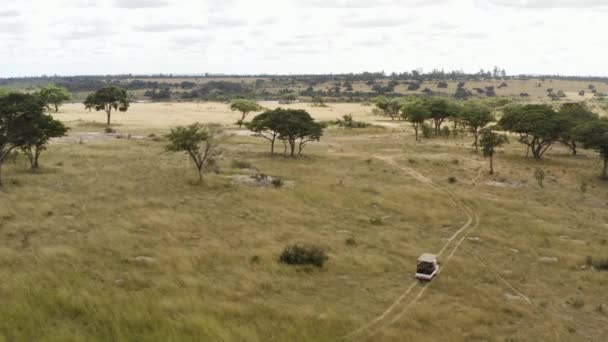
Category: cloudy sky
[73,37]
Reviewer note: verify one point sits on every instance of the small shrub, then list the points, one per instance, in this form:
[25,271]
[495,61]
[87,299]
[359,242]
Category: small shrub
[452,180]
[241,164]
[598,264]
[350,241]
[255,259]
[576,303]
[445,131]
[427,130]
[277,182]
[109,130]
[376,221]
[303,255]
[539,175]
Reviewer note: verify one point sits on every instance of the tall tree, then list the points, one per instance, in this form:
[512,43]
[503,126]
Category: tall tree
[489,141]
[440,111]
[475,116]
[594,134]
[37,135]
[245,107]
[54,96]
[538,126]
[199,141]
[297,128]
[108,98]
[17,111]
[416,113]
[267,126]
[569,117]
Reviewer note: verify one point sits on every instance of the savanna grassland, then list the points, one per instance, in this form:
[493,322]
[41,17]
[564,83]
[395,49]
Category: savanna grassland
[112,240]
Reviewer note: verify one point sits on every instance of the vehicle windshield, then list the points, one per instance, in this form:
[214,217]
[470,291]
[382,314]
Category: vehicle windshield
[425,267]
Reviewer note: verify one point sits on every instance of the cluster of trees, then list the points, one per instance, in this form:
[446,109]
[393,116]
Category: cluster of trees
[201,142]
[25,126]
[539,126]
[293,127]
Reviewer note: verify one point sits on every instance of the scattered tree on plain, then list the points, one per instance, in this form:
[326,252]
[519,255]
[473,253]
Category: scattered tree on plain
[538,126]
[53,96]
[245,107]
[489,141]
[440,111]
[594,135]
[390,107]
[24,125]
[108,98]
[37,134]
[475,116]
[295,127]
[200,141]
[416,113]
[569,117]
[267,126]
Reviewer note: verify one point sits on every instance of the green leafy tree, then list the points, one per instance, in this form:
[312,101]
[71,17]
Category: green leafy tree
[54,96]
[569,117]
[416,113]
[297,128]
[199,141]
[17,111]
[108,98]
[37,135]
[245,107]
[289,98]
[475,116]
[440,111]
[390,107]
[489,141]
[538,126]
[267,125]
[594,135]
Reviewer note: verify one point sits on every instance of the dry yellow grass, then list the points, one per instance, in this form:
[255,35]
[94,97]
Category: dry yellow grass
[110,241]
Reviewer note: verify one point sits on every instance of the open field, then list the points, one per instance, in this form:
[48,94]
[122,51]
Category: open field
[111,241]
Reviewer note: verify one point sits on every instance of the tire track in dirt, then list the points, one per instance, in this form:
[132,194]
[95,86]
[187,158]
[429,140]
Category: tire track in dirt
[374,326]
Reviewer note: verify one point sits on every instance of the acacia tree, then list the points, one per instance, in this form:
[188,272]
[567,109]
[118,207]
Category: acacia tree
[390,107]
[37,134]
[569,117]
[266,125]
[199,141]
[53,96]
[416,113]
[245,107]
[297,127]
[108,98]
[17,111]
[489,141]
[475,116]
[538,126]
[594,134]
[440,111]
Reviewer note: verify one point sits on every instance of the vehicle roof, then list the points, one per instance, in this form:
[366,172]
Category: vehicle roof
[427,257]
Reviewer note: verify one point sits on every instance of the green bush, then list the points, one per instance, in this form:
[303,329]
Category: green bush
[241,164]
[427,130]
[277,182]
[303,255]
[598,264]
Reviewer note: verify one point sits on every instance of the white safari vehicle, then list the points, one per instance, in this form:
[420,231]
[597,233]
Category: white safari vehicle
[427,266]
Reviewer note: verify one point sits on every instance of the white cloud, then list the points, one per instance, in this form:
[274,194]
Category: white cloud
[300,36]
[135,4]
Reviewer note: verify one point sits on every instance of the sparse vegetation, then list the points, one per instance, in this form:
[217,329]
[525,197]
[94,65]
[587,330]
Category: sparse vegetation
[303,255]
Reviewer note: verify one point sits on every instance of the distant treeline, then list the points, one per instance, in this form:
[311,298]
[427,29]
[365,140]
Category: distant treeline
[163,87]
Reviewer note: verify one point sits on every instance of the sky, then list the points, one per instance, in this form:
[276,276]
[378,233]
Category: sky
[86,37]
